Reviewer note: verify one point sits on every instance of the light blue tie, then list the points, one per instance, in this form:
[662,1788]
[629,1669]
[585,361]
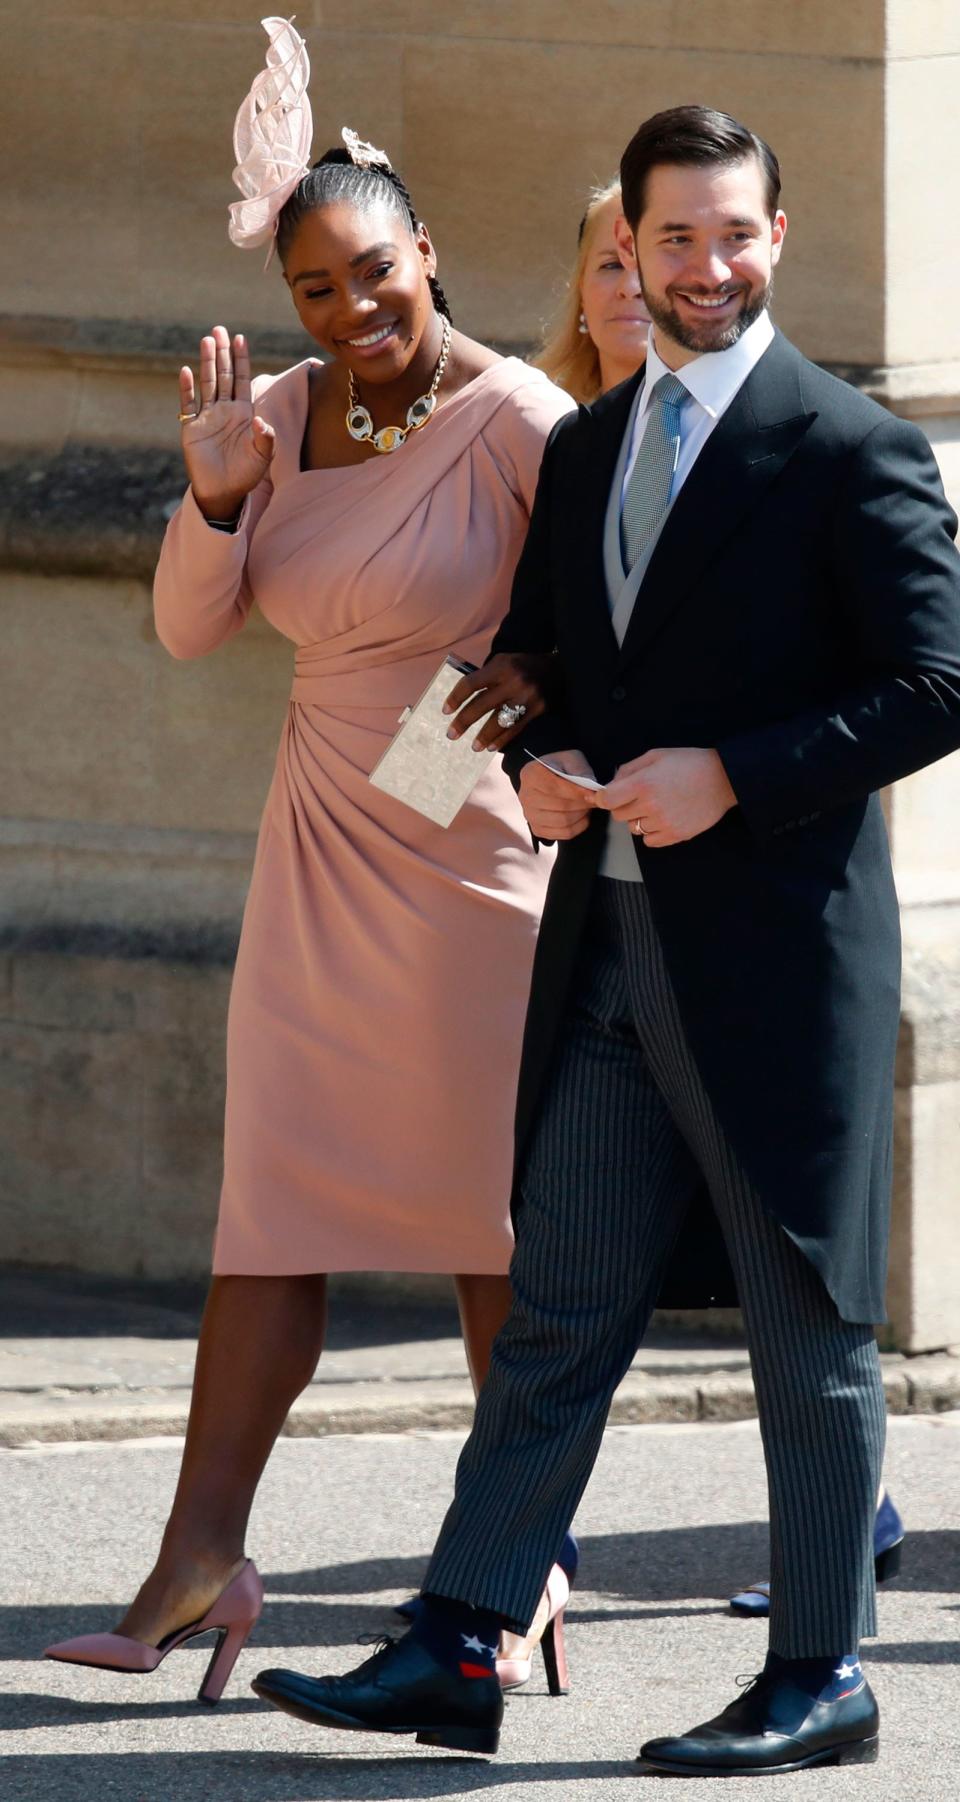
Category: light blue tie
[647,498]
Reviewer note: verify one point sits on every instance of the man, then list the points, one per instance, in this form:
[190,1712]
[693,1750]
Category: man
[748,573]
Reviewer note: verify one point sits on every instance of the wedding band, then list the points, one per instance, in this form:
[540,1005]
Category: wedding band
[510,713]
[182,416]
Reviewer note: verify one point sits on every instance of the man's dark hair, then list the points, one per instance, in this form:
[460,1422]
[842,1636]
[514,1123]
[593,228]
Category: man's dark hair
[697,136]
[336,177]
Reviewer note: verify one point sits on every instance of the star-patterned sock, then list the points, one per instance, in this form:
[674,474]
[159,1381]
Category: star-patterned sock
[465,1640]
[824,1679]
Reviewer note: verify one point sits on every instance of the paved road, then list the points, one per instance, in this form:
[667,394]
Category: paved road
[672,1521]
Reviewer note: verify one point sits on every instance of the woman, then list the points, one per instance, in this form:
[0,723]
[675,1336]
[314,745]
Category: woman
[600,337]
[381,981]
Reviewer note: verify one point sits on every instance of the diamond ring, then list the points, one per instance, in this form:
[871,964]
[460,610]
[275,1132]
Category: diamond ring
[510,713]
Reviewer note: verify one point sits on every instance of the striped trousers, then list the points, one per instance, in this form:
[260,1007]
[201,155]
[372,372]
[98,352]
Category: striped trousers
[624,1135]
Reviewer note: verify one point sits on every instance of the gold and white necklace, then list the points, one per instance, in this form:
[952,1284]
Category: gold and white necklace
[390,437]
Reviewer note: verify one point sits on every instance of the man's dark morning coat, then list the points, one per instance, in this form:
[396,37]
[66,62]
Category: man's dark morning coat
[801,614]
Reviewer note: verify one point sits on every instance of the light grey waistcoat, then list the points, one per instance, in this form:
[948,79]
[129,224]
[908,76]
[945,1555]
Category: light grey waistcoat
[619,856]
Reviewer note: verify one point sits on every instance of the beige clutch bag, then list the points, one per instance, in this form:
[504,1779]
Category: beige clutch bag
[424,768]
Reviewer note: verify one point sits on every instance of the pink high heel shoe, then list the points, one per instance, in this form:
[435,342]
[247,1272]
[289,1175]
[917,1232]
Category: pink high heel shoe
[515,1668]
[232,1617]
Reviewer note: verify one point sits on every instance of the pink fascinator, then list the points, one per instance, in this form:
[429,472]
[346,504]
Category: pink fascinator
[271,137]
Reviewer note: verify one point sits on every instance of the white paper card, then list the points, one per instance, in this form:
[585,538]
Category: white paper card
[578,781]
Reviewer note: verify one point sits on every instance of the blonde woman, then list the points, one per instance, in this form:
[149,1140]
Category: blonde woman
[600,336]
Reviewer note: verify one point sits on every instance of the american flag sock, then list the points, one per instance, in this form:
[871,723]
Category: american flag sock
[823,1679]
[464,1640]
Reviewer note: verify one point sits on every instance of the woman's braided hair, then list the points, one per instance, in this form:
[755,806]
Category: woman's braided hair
[337,177]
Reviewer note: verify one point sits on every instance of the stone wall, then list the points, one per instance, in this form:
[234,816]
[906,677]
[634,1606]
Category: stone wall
[499,116]
[111,1102]
[132,785]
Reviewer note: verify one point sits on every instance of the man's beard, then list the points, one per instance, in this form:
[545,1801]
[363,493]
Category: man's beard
[706,338]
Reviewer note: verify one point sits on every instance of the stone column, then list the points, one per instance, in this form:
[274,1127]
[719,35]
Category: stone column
[920,379]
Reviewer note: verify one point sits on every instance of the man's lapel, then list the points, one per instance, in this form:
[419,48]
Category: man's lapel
[600,447]
[755,438]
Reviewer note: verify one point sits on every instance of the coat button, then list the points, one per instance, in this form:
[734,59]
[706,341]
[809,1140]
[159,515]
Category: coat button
[619,693]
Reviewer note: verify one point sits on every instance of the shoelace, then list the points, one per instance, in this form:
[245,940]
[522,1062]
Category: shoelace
[381,1642]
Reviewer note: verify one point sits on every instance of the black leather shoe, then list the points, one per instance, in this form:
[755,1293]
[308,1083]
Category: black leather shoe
[773,1726]
[401,1689]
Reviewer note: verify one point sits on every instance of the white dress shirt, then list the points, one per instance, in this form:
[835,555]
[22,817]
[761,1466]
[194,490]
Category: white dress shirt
[713,381]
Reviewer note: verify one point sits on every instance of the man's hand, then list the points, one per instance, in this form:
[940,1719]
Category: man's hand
[669,796]
[555,809]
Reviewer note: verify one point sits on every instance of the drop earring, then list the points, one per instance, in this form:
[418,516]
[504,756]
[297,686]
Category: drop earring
[583,327]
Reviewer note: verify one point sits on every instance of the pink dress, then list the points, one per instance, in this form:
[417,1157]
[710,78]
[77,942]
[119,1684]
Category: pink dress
[381,983]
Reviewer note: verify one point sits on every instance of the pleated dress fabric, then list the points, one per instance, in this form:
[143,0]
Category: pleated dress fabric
[382,977]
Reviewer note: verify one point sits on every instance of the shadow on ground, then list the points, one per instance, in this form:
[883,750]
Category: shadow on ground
[672,1565]
[58,1304]
[24,1709]
[275,1777]
[53,1304]
[676,1566]
[915,1651]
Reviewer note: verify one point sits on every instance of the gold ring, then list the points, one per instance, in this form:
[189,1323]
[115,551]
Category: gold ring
[182,416]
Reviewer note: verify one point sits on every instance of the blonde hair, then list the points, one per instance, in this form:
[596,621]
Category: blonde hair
[568,355]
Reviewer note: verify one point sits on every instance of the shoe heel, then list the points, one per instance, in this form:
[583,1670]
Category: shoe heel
[555,1657]
[863,1751]
[461,1739]
[230,1644]
[887,1563]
